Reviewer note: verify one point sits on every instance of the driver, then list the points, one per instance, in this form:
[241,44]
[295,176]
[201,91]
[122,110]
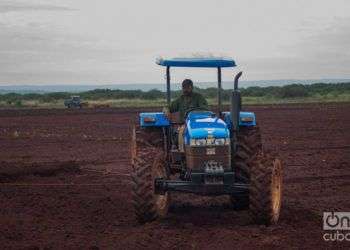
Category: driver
[188,100]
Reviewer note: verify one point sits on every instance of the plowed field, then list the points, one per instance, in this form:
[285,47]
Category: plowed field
[65,183]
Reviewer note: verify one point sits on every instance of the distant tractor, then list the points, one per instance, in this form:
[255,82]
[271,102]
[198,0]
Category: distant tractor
[73,102]
[223,155]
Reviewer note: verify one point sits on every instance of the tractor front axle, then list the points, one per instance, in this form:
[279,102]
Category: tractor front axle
[203,184]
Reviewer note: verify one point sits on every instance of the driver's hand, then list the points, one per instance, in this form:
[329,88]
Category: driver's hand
[166,112]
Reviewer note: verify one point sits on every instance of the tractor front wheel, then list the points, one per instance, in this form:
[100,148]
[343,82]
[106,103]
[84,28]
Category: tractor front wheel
[265,192]
[148,163]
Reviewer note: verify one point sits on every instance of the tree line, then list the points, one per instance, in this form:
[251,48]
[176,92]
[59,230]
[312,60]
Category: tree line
[287,91]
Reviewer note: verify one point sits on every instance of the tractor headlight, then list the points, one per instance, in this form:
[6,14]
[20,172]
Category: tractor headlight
[219,142]
[201,142]
[210,142]
[223,141]
[198,142]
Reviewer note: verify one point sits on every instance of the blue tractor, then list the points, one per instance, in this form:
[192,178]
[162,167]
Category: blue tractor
[73,102]
[221,154]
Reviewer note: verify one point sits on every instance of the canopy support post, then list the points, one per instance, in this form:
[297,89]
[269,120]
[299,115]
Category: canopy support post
[219,92]
[168,94]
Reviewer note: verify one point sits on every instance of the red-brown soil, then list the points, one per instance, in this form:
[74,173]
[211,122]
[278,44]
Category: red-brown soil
[65,183]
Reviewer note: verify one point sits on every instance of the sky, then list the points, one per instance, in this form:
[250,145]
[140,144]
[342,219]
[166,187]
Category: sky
[113,42]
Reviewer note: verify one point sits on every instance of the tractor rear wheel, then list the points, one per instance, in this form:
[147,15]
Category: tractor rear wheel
[148,161]
[265,192]
[248,145]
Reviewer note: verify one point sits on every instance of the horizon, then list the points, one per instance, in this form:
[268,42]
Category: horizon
[324,80]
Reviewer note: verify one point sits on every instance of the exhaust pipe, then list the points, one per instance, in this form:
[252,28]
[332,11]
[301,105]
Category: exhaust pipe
[236,80]
[235,109]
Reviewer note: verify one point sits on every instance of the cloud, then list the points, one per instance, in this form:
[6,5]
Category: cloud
[321,51]
[12,6]
[334,38]
[44,41]
[329,47]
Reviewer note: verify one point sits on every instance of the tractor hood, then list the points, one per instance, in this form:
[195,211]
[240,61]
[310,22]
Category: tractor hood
[202,125]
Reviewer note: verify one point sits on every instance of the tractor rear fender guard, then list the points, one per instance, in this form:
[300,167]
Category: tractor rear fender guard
[153,119]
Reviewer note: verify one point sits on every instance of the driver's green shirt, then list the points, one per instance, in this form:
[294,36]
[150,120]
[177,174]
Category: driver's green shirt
[184,103]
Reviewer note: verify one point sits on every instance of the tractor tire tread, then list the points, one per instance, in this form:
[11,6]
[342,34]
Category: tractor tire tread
[146,150]
[260,196]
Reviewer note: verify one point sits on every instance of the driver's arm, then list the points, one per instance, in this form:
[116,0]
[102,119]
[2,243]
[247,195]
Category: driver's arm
[202,102]
[174,106]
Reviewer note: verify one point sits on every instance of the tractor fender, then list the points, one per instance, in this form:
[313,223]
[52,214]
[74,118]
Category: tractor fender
[153,119]
[246,119]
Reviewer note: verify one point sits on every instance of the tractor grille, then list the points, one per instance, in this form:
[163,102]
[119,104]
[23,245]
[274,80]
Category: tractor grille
[202,158]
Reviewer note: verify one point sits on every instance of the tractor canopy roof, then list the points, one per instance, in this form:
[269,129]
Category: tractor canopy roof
[199,62]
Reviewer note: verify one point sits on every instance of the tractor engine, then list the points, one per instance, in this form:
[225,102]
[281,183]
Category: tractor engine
[207,144]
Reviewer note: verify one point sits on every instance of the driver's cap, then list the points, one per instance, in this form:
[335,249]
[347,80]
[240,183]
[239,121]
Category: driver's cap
[187,82]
